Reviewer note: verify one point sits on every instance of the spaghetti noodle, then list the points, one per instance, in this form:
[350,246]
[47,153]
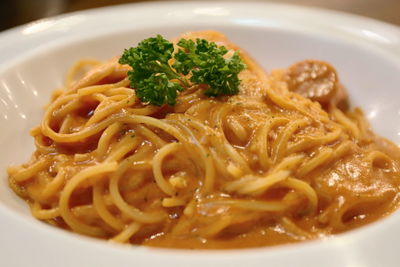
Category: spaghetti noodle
[282,161]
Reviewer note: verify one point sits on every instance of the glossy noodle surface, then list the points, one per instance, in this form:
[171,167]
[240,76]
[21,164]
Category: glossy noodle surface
[283,161]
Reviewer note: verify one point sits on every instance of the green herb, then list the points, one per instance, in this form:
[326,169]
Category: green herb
[157,82]
[205,61]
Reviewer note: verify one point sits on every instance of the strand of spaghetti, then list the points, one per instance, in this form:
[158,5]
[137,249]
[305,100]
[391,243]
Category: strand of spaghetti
[62,106]
[362,123]
[169,202]
[362,205]
[95,128]
[145,111]
[43,147]
[294,229]
[44,214]
[101,208]
[233,170]
[23,174]
[94,89]
[289,163]
[42,178]
[87,215]
[161,124]
[72,73]
[324,217]
[103,87]
[324,155]
[379,159]
[280,144]
[94,75]
[127,233]
[82,134]
[164,185]
[110,109]
[253,205]
[319,115]
[54,95]
[253,185]
[336,215]
[285,99]
[279,99]
[143,165]
[66,124]
[303,188]
[201,106]
[236,128]
[307,142]
[105,138]
[139,193]
[244,102]
[119,97]
[216,227]
[342,149]
[190,207]
[182,227]
[19,190]
[217,119]
[233,153]
[129,210]
[35,131]
[79,157]
[209,179]
[346,123]
[192,122]
[120,91]
[126,145]
[151,136]
[88,173]
[104,102]
[260,144]
[102,99]
[53,187]
[190,96]
[133,187]
[220,163]
[218,116]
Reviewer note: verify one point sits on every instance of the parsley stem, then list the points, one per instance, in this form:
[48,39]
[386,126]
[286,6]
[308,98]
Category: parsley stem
[173,75]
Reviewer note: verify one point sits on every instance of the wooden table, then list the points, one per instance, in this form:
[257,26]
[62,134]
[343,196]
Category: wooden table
[16,12]
[385,10]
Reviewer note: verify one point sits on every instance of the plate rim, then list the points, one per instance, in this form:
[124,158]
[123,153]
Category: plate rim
[223,255]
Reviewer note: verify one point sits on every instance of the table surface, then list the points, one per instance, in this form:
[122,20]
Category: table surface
[16,12]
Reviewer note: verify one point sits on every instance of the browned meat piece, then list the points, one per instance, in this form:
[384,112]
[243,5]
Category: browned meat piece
[313,79]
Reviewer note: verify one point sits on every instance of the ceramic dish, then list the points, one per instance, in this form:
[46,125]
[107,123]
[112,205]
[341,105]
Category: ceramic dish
[35,57]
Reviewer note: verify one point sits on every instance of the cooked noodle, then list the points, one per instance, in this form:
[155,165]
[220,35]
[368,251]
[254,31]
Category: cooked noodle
[264,167]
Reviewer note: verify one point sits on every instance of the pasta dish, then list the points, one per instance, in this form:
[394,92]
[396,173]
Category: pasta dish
[285,159]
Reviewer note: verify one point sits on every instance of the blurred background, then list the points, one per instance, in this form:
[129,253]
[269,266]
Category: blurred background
[17,12]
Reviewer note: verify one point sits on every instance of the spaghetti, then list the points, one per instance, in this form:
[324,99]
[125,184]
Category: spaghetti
[276,163]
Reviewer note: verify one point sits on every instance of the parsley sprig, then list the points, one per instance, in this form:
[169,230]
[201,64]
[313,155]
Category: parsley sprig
[157,82]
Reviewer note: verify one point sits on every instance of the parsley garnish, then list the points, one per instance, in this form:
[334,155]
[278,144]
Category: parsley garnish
[157,82]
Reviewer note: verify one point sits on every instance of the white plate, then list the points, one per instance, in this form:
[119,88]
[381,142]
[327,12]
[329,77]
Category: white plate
[33,61]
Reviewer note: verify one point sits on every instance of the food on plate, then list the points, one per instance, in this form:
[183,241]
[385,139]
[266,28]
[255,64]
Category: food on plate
[191,144]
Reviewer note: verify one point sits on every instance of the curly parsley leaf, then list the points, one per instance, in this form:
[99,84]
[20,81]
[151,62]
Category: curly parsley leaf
[206,62]
[157,82]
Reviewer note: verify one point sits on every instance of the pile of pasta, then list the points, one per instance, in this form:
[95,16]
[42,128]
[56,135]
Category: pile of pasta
[270,165]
